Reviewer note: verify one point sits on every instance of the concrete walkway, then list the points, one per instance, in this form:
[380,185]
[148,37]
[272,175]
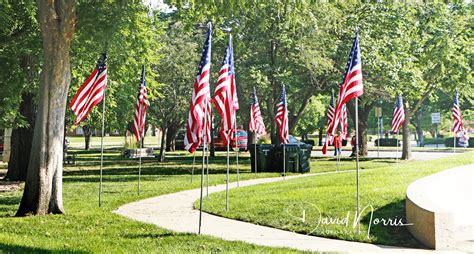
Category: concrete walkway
[175,212]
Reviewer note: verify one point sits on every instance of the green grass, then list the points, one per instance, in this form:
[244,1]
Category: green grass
[86,228]
[383,185]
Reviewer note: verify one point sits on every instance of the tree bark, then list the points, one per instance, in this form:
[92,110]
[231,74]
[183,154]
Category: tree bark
[163,143]
[294,118]
[320,136]
[21,140]
[406,151]
[87,136]
[364,113]
[43,188]
[363,126]
[171,133]
[419,129]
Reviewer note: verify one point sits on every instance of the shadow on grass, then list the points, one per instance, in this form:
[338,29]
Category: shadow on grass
[362,159]
[392,235]
[152,235]
[9,200]
[10,248]
[6,204]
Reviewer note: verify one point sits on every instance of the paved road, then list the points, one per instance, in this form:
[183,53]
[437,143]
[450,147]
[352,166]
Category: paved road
[175,212]
[388,154]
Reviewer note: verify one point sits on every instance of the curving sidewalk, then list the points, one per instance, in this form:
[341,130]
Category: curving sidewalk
[175,212]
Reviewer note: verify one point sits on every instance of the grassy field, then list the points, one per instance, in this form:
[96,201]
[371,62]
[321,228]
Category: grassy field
[328,197]
[86,228]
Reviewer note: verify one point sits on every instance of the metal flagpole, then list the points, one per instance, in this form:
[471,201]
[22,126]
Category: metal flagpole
[237,154]
[255,153]
[357,160]
[284,160]
[102,147]
[140,146]
[192,171]
[227,178]
[454,139]
[207,172]
[396,156]
[379,137]
[204,135]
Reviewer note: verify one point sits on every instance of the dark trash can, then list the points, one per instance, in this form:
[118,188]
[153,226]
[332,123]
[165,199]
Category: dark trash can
[387,142]
[292,159]
[264,157]
[305,157]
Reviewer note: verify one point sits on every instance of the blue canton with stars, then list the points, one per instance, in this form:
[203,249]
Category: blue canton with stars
[101,63]
[399,102]
[282,99]
[354,57]
[456,98]
[206,52]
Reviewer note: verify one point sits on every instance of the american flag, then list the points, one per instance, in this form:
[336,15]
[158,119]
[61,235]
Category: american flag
[235,99]
[256,124]
[344,122]
[140,111]
[281,117]
[330,111]
[352,84]
[398,115]
[200,100]
[91,92]
[329,117]
[456,112]
[223,98]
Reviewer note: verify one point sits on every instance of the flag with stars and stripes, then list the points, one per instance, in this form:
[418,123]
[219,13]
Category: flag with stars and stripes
[352,83]
[256,124]
[233,85]
[344,122]
[140,109]
[200,102]
[398,115]
[281,117]
[456,113]
[91,92]
[223,99]
[329,118]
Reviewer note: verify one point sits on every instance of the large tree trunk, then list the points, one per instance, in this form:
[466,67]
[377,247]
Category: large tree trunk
[163,143]
[419,129]
[406,151]
[363,126]
[87,136]
[320,136]
[21,140]
[171,133]
[363,115]
[43,188]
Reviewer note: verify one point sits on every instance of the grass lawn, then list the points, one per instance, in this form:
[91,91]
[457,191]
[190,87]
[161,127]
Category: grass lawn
[86,228]
[333,196]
